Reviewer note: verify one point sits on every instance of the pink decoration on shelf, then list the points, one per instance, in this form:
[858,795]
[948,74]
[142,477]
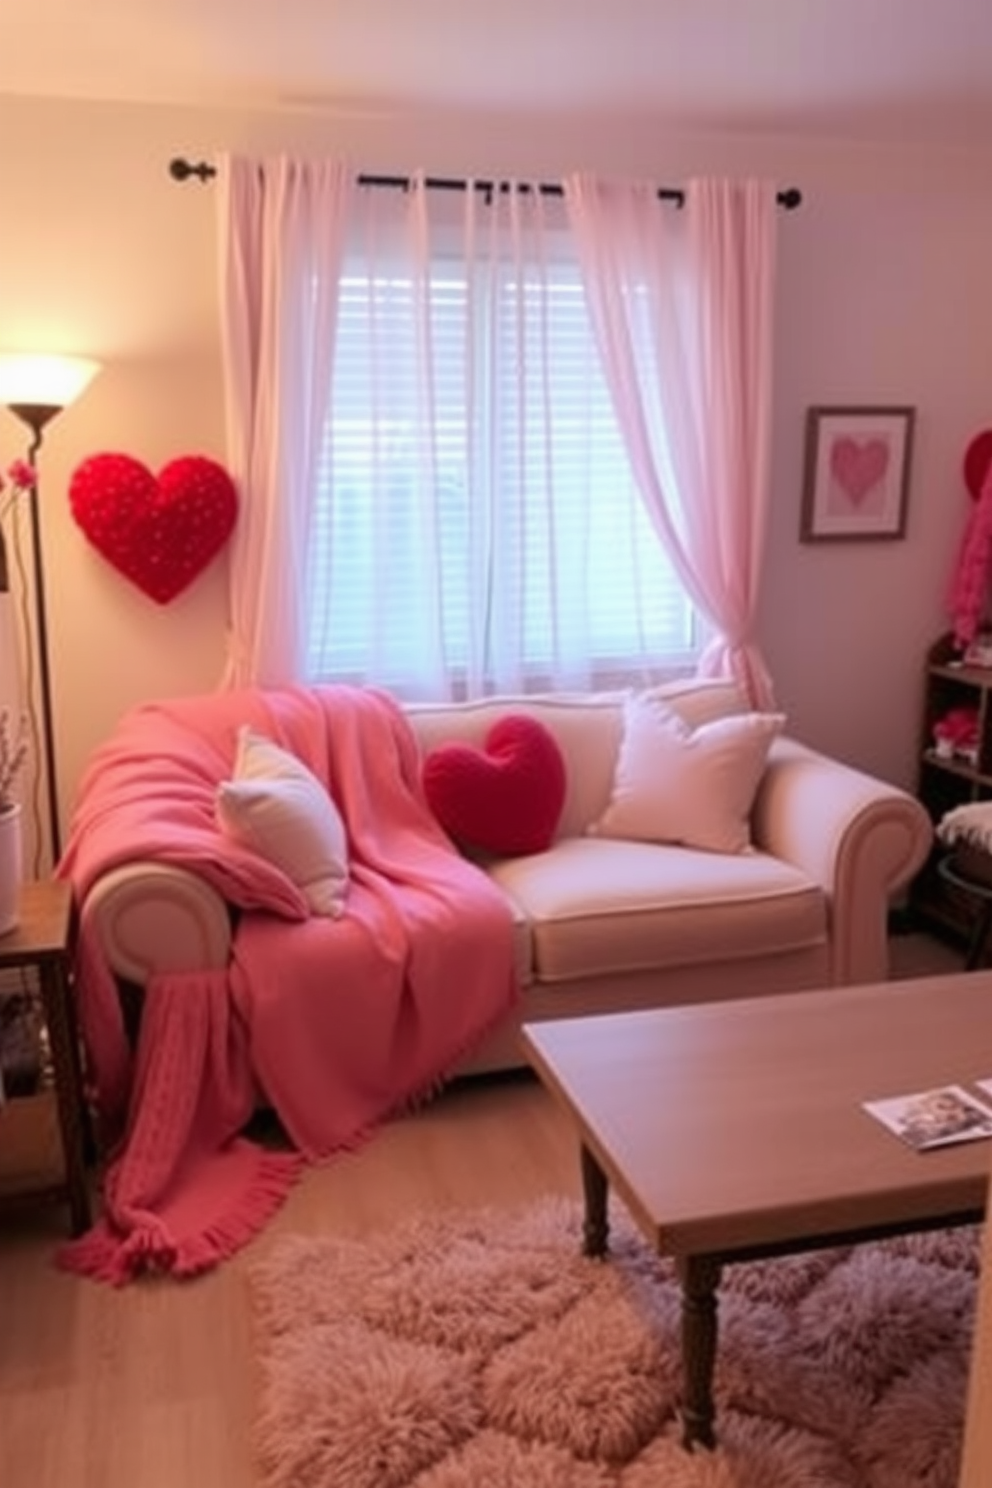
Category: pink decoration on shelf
[977,460]
[958,729]
[160,531]
[858,465]
[969,583]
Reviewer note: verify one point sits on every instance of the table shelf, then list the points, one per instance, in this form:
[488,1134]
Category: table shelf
[42,943]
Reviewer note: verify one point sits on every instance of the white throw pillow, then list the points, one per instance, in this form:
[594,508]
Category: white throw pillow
[277,807]
[674,783]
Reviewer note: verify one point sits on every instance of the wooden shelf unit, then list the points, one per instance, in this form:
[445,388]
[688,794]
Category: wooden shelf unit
[42,942]
[943,783]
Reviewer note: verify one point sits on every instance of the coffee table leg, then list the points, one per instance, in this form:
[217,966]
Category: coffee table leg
[700,1277]
[595,1228]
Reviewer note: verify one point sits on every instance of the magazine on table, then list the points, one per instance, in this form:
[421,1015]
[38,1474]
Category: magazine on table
[935,1118]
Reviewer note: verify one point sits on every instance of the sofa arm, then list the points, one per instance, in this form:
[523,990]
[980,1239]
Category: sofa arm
[153,917]
[859,837]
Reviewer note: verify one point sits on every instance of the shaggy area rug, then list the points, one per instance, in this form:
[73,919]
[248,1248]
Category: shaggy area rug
[481,1350]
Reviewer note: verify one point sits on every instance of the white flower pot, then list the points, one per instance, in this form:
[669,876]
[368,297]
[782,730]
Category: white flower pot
[11,867]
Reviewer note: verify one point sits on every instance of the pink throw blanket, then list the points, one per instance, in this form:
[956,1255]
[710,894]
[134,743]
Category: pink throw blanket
[341,1023]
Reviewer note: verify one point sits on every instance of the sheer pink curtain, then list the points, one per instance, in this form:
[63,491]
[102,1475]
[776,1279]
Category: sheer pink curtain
[681,303]
[282,227]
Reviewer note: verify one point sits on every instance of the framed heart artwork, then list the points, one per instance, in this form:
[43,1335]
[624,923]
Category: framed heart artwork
[856,479]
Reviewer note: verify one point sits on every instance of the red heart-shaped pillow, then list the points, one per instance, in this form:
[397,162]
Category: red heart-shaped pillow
[158,531]
[504,798]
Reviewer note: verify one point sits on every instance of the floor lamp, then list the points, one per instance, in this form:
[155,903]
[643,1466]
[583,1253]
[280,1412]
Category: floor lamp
[36,389]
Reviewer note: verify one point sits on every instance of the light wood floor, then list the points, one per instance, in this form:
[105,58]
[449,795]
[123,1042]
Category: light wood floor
[150,1386]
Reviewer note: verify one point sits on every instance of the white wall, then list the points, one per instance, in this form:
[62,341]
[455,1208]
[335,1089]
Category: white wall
[884,297]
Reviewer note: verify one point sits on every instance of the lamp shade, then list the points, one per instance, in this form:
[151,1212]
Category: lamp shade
[50,381]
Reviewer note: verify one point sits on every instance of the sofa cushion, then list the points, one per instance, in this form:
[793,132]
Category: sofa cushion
[587,726]
[600,905]
[675,783]
[276,806]
[504,798]
[523,945]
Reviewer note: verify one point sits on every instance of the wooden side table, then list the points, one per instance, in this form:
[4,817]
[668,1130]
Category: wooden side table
[44,939]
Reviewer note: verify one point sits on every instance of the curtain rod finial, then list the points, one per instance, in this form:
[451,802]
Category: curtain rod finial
[181,170]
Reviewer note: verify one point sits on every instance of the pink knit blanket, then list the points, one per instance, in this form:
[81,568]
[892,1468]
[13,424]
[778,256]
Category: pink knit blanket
[340,1023]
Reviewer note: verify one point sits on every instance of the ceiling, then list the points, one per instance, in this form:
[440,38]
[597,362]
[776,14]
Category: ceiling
[914,70]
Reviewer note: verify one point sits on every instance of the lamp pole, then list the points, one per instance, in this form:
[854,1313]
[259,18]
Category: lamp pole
[41,632]
[36,416]
[36,388]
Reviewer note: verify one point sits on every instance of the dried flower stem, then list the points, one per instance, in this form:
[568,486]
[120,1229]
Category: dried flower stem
[13,754]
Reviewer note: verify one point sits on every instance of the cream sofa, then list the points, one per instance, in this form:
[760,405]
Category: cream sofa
[606,925]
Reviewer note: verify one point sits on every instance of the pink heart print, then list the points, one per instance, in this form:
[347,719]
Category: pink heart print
[857,465]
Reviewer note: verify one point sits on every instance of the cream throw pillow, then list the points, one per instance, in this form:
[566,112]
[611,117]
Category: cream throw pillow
[673,783]
[277,807]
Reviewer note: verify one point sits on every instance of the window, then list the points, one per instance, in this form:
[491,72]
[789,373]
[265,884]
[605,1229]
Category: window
[476,526]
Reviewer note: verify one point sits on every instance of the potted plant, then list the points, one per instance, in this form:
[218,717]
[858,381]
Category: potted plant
[13,754]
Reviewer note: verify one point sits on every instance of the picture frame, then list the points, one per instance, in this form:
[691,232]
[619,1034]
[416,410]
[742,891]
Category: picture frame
[856,473]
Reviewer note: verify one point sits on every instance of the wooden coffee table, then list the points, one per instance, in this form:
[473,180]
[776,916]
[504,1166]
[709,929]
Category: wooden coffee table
[734,1131]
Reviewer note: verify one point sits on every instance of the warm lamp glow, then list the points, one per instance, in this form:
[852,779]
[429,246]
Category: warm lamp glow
[47,381]
[36,389]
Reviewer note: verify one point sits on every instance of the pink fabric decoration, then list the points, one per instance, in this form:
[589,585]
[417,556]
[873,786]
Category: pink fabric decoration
[970,581]
[340,1022]
[683,319]
[278,342]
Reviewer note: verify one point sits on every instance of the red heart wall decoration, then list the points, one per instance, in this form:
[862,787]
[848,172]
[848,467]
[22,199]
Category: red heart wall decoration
[158,531]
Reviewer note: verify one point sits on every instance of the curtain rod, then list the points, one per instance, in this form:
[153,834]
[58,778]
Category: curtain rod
[184,170]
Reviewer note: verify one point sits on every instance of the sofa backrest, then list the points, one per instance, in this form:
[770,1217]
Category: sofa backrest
[587,726]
